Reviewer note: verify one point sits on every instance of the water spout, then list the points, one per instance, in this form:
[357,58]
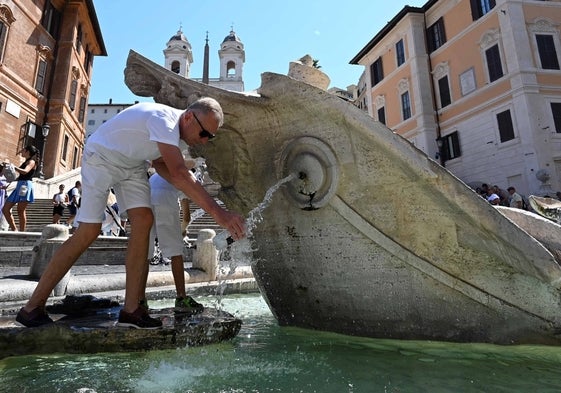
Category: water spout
[223,239]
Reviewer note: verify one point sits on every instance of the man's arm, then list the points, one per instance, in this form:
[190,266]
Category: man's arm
[171,167]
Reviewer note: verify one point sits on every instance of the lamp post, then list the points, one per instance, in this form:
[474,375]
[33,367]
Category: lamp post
[45,131]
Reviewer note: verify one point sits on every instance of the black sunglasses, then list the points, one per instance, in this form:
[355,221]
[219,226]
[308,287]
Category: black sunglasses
[204,133]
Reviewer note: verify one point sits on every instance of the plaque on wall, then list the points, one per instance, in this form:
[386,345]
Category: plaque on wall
[13,109]
[467,81]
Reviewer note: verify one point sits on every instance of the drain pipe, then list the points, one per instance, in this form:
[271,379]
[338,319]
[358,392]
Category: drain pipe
[51,81]
[439,139]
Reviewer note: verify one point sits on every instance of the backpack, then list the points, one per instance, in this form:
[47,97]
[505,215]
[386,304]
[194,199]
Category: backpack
[71,197]
[10,172]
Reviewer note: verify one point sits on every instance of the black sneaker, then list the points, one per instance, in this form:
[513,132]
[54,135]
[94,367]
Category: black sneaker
[188,305]
[36,317]
[139,319]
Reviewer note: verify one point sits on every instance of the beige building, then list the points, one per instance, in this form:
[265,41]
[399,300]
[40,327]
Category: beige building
[47,48]
[475,84]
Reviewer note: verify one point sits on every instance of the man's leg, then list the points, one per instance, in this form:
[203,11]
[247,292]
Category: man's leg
[186,216]
[61,261]
[136,263]
[178,271]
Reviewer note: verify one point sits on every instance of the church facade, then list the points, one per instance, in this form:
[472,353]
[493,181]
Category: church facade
[178,57]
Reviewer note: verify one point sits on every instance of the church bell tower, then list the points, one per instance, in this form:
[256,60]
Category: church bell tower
[178,54]
[232,59]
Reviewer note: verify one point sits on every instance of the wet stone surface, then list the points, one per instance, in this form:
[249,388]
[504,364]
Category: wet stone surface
[84,324]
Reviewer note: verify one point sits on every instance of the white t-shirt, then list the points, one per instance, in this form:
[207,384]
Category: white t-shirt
[60,197]
[514,199]
[162,192]
[492,197]
[74,195]
[130,138]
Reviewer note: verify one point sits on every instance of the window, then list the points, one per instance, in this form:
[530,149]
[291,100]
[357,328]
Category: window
[92,111]
[51,19]
[6,20]
[65,148]
[79,38]
[82,111]
[436,36]
[382,115]
[75,158]
[400,53]
[451,146]
[105,110]
[72,98]
[88,60]
[547,52]
[231,69]
[376,72]
[556,111]
[494,66]
[41,76]
[3,34]
[481,7]
[405,106]
[444,90]
[175,67]
[91,122]
[506,129]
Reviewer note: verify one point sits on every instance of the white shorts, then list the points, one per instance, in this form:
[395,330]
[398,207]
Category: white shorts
[98,176]
[167,229]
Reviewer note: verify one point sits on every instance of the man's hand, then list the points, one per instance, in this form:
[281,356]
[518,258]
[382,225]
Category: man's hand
[232,222]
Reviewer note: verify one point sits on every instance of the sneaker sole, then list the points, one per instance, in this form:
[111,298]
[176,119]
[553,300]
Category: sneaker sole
[132,325]
[179,310]
[32,325]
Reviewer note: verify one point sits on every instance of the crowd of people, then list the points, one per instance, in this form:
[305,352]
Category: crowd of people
[66,201]
[510,198]
[499,197]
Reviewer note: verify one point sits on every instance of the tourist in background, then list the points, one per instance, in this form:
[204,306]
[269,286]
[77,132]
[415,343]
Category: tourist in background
[3,186]
[22,195]
[502,194]
[167,229]
[73,202]
[515,199]
[493,198]
[60,200]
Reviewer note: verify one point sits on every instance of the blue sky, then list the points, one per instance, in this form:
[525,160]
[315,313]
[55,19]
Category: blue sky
[274,33]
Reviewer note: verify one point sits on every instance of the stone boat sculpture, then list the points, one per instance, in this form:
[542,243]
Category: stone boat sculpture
[371,237]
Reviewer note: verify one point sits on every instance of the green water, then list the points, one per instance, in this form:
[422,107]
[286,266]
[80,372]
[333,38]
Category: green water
[267,358]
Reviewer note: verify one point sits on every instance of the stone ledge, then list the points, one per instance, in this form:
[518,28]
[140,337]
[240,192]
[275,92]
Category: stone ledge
[98,332]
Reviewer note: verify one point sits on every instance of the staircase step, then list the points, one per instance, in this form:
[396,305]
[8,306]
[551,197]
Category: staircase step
[40,213]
